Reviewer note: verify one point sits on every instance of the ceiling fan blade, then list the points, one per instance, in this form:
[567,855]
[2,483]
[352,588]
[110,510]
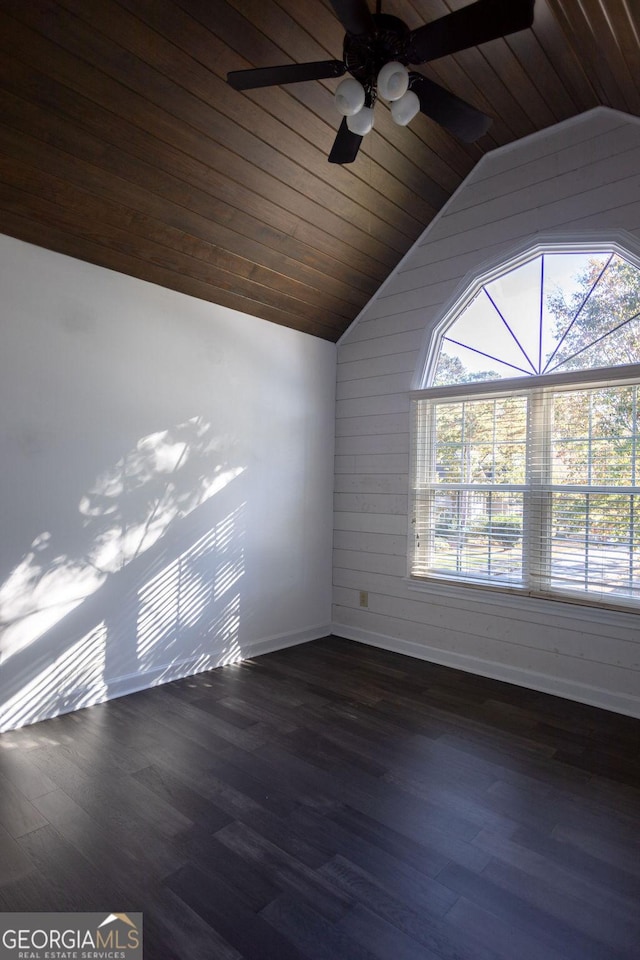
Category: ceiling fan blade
[354,15]
[452,113]
[290,73]
[477,23]
[345,146]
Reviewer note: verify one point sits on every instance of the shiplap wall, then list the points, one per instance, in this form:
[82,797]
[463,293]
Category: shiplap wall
[578,180]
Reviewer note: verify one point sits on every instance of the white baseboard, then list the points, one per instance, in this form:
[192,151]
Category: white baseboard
[122,686]
[133,683]
[282,640]
[560,687]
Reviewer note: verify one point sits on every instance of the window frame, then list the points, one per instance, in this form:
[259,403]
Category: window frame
[535,385]
[620,242]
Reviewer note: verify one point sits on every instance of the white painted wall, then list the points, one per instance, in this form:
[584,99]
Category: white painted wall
[577,180]
[165,484]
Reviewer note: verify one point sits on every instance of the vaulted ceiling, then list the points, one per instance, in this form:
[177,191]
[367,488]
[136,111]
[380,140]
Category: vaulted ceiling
[122,144]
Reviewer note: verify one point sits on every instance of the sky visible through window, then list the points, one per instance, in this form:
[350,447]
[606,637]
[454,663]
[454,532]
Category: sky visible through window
[553,313]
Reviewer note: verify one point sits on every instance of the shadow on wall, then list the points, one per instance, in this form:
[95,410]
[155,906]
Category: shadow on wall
[150,591]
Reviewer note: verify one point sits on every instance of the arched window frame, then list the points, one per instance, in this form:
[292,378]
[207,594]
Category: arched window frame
[622,243]
[537,387]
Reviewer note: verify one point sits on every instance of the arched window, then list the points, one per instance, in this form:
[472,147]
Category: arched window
[526,468]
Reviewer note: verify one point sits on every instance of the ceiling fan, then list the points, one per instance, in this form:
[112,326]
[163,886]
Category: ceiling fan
[377,50]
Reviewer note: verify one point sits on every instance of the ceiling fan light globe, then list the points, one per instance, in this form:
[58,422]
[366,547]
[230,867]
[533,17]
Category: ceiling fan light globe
[393,81]
[349,97]
[361,122]
[404,110]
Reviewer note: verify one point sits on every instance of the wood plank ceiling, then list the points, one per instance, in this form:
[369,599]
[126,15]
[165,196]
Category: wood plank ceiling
[122,144]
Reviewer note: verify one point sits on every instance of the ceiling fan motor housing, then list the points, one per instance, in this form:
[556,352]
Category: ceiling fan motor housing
[366,53]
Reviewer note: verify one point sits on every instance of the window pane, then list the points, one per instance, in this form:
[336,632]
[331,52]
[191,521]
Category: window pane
[478,534]
[612,411]
[595,436]
[516,294]
[449,432]
[601,309]
[483,327]
[481,441]
[460,531]
[564,291]
[612,462]
[620,347]
[570,461]
[459,364]
[595,544]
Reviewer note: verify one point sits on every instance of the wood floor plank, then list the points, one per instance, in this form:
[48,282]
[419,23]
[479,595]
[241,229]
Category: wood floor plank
[17,814]
[112,850]
[383,939]
[224,909]
[570,911]
[333,802]
[312,933]
[292,875]
[76,884]
[173,931]
[508,904]
[557,878]
[427,859]
[178,795]
[497,935]
[32,892]
[17,767]
[222,862]
[445,844]
[443,939]
[326,833]
[14,862]
[281,832]
[581,862]
[616,852]
[269,797]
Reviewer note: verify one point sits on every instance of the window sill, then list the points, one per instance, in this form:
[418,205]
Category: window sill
[573,608]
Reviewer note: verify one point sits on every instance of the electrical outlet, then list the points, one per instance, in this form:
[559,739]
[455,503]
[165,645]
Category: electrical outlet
[364,598]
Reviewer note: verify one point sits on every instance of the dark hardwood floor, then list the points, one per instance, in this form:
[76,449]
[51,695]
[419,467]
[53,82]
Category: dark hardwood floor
[334,802]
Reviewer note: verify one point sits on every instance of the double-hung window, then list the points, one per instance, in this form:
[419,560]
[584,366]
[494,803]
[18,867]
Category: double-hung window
[526,448]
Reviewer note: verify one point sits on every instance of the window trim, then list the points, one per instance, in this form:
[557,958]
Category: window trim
[594,377]
[522,600]
[508,258]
